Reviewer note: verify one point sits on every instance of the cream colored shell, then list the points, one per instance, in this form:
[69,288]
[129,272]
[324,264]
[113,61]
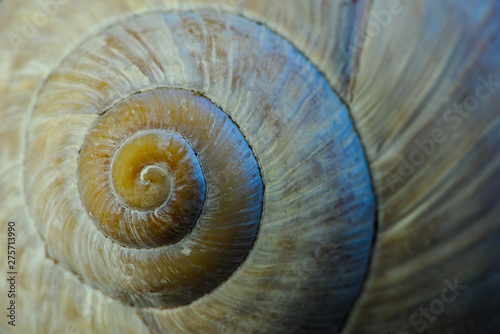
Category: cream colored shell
[400,67]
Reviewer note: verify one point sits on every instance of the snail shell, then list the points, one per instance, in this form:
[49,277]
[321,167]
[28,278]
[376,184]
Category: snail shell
[214,167]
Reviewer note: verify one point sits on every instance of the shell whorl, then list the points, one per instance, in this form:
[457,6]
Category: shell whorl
[146,189]
[190,172]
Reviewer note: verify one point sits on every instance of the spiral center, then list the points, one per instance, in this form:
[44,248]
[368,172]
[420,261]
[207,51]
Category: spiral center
[159,180]
[140,172]
[154,188]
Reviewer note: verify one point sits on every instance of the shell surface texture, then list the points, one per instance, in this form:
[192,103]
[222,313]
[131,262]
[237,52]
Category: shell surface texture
[250,166]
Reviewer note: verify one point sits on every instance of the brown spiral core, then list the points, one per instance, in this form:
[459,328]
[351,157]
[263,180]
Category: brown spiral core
[155,175]
[147,184]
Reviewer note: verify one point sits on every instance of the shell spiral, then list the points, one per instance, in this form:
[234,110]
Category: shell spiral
[255,166]
[179,172]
